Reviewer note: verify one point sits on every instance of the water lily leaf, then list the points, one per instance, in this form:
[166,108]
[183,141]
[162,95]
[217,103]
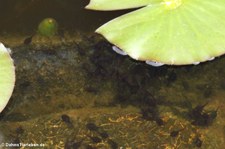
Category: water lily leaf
[118,4]
[175,32]
[7,76]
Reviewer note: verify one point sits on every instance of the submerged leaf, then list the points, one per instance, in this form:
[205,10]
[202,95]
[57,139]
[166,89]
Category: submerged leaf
[175,32]
[7,76]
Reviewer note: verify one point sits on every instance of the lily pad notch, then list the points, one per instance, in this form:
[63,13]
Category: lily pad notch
[173,32]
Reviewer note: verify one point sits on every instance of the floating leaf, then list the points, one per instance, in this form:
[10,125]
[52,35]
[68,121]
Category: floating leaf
[118,4]
[7,76]
[175,32]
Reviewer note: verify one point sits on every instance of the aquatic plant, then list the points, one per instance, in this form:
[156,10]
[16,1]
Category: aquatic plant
[48,27]
[7,76]
[174,32]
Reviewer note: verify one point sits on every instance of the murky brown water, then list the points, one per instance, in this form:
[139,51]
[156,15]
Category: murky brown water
[74,91]
[24,15]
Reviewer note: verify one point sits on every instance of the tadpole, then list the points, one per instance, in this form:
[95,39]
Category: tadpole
[28,40]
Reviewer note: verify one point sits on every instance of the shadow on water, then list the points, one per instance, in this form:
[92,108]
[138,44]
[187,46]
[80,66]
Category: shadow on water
[138,84]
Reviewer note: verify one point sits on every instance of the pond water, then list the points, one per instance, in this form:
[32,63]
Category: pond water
[73,91]
[23,16]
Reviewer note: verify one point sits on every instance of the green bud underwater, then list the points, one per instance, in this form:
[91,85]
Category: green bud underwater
[48,27]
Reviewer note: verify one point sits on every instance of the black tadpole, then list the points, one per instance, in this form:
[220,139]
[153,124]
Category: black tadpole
[175,133]
[28,40]
[197,111]
[113,144]
[92,127]
[66,119]
[95,139]
[201,117]
[213,114]
[73,144]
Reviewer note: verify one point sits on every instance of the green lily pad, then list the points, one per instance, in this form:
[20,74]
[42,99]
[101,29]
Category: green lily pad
[7,76]
[175,32]
[118,4]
